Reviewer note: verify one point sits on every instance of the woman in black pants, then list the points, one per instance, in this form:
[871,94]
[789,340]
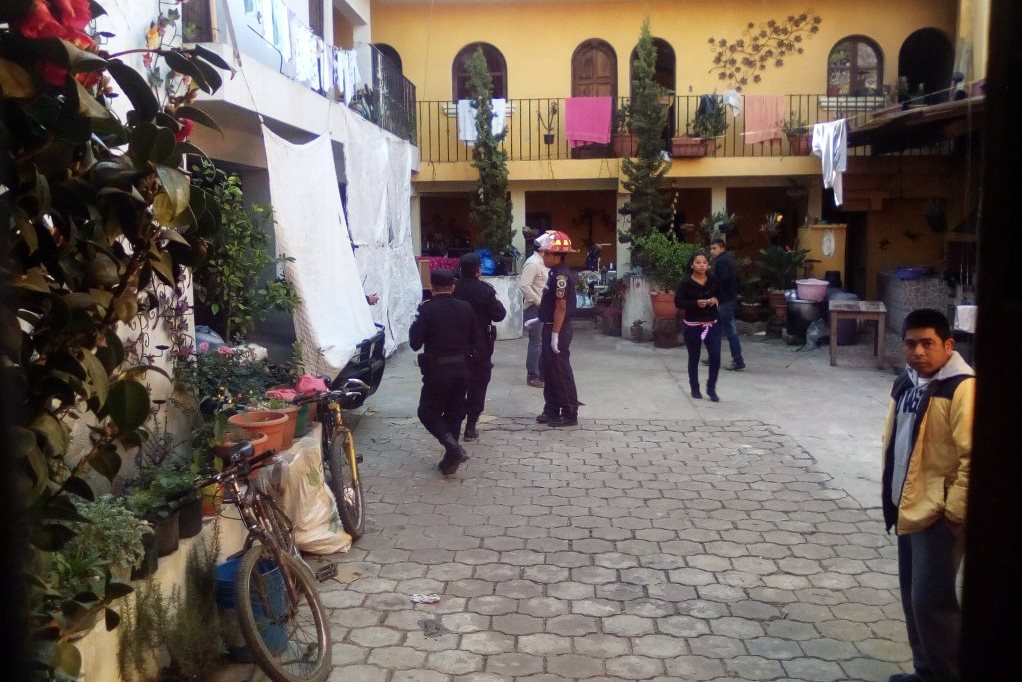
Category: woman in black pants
[697,296]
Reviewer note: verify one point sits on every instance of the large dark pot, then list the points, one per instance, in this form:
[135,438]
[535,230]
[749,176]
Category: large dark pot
[167,529]
[800,315]
[190,516]
[150,560]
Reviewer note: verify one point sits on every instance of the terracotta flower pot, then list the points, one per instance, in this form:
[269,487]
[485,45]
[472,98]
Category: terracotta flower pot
[626,145]
[779,304]
[290,427]
[684,146]
[800,145]
[268,422]
[212,500]
[663,304]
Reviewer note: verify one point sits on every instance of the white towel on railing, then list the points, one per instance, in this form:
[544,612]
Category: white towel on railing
[466,110]
[347,77]
[830,143]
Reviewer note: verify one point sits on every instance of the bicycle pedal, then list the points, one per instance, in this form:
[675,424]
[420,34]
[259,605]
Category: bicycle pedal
[358,458]
[325,572]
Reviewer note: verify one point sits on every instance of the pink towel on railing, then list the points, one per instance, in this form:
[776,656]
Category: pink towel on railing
[763,116]
[588,119]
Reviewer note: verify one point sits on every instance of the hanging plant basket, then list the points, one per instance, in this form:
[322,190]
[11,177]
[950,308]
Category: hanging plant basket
[800,145]
[548,138]
[687,147]
[626,145]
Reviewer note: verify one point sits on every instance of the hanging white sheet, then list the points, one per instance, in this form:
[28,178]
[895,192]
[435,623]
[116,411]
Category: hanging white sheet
[377,166]
[309,224]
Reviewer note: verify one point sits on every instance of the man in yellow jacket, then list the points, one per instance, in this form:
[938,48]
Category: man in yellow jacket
[927,447]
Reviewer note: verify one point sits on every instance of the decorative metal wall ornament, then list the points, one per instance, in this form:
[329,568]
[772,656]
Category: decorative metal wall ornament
[742,61]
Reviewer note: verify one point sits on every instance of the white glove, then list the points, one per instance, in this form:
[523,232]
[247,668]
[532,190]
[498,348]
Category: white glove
[531,323]
[553,343]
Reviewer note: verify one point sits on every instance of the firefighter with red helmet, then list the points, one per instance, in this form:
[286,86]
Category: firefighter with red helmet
[556,309]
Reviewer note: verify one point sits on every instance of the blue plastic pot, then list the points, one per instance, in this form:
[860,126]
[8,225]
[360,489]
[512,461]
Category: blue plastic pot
[273,635]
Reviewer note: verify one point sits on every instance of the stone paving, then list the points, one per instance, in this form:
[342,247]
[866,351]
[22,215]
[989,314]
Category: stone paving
[621,550]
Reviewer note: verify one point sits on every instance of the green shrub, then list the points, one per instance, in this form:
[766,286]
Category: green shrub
[663,258]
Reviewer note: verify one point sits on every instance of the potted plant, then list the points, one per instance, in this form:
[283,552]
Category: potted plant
[718,225]
[708,125]
[111,534]
[161,514]
[778,268]
[665,261]
[610,318]
[637,330]
[624,141]
[548,123]
[797,132]
[750,307]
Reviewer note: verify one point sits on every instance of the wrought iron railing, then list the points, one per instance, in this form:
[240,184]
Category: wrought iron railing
[535,128]
[396,96]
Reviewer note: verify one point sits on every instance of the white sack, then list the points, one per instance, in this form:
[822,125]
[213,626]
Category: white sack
[333,316]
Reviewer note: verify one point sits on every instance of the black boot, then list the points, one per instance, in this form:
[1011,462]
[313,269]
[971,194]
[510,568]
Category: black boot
[711,391]
[564,420]
[545,417]
[470,431]
[453,457]
[695,393]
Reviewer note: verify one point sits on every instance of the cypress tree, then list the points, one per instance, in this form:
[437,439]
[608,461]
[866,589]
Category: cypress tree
[644,174]
[491,203]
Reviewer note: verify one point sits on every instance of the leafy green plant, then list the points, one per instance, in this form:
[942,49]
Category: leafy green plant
[647,117]
[491,201]
[623,119]
[113,534]
[718,224]
[664,259]
[794,125]
[779,265]
[232,281]
[139,637]
[710,124]
[366,103]
[99,218]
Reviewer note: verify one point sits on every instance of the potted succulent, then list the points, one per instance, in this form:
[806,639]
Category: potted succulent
[624,141]
[548,123]
[718,225]
[798,134]
[665,261]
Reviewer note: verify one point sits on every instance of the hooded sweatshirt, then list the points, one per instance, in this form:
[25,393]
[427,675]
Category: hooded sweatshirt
[927,446]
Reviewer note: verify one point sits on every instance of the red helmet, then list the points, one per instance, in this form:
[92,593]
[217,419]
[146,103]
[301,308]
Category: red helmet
[555,241]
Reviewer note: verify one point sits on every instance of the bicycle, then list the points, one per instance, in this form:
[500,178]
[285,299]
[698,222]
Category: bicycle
[279,612]
[339,455]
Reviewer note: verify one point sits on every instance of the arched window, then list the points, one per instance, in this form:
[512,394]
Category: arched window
[495,64]
[390,53]
[855,67]
[665,64]
[925,62]
[594,70]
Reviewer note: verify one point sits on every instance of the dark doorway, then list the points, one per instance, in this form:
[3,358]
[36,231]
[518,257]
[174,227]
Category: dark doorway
[594,70]
[666,76]
[926,59]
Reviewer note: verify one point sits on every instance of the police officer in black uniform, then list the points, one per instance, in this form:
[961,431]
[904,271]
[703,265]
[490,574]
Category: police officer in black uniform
[483,299]
[447,328]
[556,309]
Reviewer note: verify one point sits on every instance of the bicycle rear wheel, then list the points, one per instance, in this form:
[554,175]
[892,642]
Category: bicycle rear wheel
[289,637]
[347,491]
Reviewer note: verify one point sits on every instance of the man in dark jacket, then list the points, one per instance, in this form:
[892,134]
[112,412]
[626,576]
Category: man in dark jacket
[483,299]
[726,271]
[447,329]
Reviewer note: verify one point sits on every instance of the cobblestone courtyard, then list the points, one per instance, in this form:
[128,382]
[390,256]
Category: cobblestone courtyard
[622,550]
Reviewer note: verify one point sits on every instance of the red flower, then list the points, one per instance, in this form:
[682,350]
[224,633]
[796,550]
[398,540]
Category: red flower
[186,130]
[51,72]
[56,19]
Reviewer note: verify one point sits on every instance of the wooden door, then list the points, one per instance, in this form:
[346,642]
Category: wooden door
[594,70]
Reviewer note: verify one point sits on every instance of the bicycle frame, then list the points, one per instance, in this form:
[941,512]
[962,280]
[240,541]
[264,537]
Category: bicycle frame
[334,424]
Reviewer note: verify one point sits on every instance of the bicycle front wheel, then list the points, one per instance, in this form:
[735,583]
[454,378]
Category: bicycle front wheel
[347,491]
[285,629]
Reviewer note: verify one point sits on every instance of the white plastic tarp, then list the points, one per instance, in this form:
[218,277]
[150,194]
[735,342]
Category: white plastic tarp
[333,316]
[377,167]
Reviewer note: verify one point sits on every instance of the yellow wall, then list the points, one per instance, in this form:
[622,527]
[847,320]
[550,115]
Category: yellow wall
[343,31]
[569,212]
[537,39]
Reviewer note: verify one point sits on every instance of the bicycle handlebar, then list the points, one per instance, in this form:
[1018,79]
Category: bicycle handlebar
[352,388]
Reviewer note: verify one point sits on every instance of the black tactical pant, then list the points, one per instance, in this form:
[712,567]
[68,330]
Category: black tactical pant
[442,401]
[559,394]
[480,370]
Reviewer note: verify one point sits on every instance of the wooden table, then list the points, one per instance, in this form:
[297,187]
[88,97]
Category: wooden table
[858,310]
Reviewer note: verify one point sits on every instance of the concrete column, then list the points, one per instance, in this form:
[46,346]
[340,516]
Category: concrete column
[518,219]
[718,197]
[328,22]
[624,251]
[416,223]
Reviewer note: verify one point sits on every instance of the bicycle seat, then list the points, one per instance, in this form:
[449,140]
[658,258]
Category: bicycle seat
[234,452]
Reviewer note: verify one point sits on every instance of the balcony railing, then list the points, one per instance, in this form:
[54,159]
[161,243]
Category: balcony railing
[384,96]
[527,136]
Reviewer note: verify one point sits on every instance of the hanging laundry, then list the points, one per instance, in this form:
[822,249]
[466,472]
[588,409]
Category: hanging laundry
[324,63]
[352,78]
[830,143]
[340,66]
[281,36]
[733,101]
[588,119]
[466,115]
[763,116]
[708,105]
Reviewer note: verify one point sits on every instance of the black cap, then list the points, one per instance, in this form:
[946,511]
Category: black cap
[441,278]
[469,263]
